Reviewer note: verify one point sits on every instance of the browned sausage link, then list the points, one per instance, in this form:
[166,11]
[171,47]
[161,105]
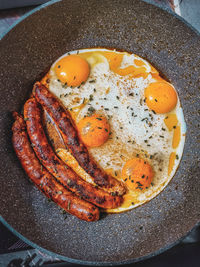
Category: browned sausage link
[63,120]
[44,180]
[56,167]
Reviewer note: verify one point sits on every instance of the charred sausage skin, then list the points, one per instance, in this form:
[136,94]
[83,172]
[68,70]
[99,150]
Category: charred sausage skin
[44,180]
[64,122]
[64,174]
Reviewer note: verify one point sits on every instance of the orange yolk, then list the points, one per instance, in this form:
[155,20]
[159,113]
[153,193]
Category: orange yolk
[176,137]
[131,70]
[139,62]
[94,130]
[171,121]
[72,70]
[114,59]
[171,162]
[137,174]
[160,97]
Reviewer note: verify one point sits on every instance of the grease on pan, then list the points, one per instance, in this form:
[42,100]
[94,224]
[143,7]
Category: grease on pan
[141,121]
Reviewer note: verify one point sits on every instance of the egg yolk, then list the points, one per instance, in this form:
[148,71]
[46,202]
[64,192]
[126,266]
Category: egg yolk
[138,62]
[171,121]
[176,137]
[72,70]
[114,59]
[94,130]
[171,162]
[137,174]
[160,97]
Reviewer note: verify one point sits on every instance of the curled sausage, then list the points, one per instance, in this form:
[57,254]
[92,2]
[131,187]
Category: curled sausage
[64,122]
[44,180]
[64,174]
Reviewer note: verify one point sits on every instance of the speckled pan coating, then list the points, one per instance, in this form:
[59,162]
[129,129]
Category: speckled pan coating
[173,48]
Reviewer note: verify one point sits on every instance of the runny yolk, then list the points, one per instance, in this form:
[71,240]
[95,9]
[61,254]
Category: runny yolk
[171,162]
[171,121]
[139,62]
[137,174]
[176,137]
[115,60]
[94,130]
[131,70]
[72,70]
[160,97]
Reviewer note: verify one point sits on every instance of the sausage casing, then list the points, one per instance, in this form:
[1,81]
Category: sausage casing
[44,180]
[64,122]
[64,174]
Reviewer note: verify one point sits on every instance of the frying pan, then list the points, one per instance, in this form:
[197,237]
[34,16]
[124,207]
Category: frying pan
[173,47]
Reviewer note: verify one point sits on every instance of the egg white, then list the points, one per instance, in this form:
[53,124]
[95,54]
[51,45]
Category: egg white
[136,130]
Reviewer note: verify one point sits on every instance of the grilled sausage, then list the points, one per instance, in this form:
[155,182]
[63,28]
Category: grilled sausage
[64,122]
[44,180]
[56,167]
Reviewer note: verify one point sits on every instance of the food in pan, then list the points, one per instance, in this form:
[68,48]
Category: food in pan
[115,127]
[127,115]
[66,176]
[69,134]
[44,180]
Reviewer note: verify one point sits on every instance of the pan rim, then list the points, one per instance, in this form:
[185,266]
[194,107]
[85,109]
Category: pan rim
[76,261]
[51,2]
[95,263]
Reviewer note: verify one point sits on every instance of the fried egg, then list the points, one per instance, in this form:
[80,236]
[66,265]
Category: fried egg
[128,116]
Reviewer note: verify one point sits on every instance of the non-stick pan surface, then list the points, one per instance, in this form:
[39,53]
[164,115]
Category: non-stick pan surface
[26,51]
